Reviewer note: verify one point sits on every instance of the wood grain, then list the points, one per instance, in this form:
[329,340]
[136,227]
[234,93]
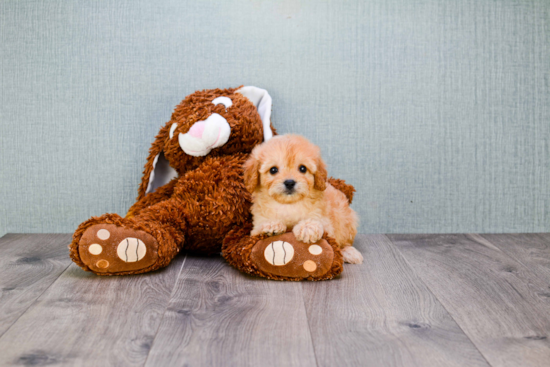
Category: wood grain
[497,301]
[530,249]
[417,300]
[29,264]
[85,319]
[380,313]
[220,317]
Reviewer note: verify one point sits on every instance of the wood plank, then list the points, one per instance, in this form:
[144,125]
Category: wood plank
[85,319]
[220,317]
[496,300]
[380,313]
[29,264]
[530,249]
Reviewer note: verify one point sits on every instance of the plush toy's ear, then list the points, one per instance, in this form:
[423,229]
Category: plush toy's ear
[252,173]
[157,170]
[320,176]
[262,100]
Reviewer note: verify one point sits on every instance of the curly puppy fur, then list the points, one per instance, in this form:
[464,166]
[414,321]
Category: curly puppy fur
[288,182]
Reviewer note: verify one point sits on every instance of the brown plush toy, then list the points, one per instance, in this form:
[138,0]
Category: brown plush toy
[192,198]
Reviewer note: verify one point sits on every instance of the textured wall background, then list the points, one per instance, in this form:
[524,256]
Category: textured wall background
[438,111]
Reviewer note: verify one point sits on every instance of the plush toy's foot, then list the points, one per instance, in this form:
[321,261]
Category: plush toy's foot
[110,245]
[107,248]
[283,257]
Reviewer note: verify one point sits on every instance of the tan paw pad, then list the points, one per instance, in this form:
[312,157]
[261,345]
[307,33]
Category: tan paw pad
[95,249]
[131,249]
[103,264]
[279,253]
[103,234]
[315,249]
[310,266]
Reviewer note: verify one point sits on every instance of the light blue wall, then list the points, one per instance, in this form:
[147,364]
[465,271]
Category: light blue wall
[438,111]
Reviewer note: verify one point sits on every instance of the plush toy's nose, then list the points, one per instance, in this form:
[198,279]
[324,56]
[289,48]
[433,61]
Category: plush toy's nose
[205,135]
[197,129]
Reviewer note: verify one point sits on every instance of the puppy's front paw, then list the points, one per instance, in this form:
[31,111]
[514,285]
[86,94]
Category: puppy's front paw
[351,255]
[271,228]
[308,231]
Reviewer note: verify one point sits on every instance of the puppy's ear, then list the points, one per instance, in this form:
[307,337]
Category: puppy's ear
[320,176]
[251,173]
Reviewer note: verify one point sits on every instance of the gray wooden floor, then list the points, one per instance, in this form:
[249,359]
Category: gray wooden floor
[418,300]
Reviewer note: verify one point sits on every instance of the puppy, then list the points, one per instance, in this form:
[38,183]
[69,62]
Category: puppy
[288,182]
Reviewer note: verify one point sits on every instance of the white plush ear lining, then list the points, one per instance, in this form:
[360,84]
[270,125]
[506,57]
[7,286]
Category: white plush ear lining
[161,174]
[172,129]
[262,100]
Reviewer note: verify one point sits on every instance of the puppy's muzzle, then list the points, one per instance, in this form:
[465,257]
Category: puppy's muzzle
[205,135]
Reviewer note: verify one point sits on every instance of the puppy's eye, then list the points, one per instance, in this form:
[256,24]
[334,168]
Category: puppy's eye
[302,168]
[273,170]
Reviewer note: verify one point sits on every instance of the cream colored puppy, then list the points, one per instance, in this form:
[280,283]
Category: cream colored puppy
[288,182]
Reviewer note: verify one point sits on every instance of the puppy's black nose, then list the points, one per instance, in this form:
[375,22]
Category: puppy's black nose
[289,184]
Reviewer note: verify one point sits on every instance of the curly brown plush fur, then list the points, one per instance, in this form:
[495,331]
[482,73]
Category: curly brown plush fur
[207,204]
[341,185]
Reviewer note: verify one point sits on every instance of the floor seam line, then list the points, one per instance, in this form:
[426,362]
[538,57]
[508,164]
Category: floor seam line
[308,325]
[35,300]
[511,257]
[438,300]
[165,310]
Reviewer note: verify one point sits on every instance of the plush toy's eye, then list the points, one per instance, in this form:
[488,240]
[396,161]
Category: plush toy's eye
[302,168]
[273,170]
[227,102]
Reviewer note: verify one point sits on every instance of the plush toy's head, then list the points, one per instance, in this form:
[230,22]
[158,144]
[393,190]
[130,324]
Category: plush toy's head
[207,123]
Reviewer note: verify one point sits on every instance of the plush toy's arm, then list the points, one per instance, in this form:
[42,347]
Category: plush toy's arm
[341,185]
[160,194]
